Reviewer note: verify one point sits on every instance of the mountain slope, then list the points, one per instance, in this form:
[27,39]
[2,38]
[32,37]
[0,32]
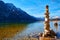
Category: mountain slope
[9,13]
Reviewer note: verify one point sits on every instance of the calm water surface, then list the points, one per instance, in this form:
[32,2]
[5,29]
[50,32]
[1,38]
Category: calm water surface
[35,28]
[16,31]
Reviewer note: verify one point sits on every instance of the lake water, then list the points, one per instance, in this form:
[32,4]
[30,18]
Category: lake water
[35,28]
[17,30]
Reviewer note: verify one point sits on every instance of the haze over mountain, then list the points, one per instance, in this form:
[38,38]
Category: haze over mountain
[10,13]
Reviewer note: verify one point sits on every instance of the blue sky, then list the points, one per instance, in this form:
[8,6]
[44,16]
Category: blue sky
[37,7]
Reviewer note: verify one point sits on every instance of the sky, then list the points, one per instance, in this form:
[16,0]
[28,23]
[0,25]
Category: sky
[37,7]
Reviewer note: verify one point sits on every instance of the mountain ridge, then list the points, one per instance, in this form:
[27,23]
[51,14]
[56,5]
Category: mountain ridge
[10,13]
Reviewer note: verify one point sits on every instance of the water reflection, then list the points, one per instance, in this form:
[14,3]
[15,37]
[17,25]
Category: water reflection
[20,30]
[35,28]
[10,30]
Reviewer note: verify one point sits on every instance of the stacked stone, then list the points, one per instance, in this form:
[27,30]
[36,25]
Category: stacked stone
[47,31]
[46,24]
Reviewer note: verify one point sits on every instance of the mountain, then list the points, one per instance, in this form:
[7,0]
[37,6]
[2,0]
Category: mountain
[10,13]
[55,18]
[41,18]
